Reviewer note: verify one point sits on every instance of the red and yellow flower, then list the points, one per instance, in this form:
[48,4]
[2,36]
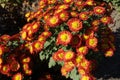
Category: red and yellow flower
[69,55]
[35,26]
[92,42]
[28,72]
[106,20]
[82,50]
[24,35]
[5,69]
[64,15]
[84,15]
[46,34]
[99,10]
[95,22]
[14,66]
[74,13]
[64,37]
[41,38]
[90,2]
[17,76]
[37,46]
[52,1]
[63,7]
[68,1]
[74,24]
[109,53]
[1,50]
[53,21]
[75,41]
[26,60]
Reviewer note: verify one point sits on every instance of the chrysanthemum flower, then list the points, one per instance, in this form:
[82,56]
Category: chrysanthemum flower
[69,55]
[82,71]
[83,15]
[35,26]
[5,69]
[75,41]
[109,53]
[89,2]
[46,34]
[37,46]
[92,42]
[87,77]
[53,21]
[74,14]
[52,1]
[5,37]
[23,35]
[69,66]
[95,22]
[63,71]
[78,59]
[64,37]
[14,66]
[42,3]
[28,72]
[26,60]
[79,3]
[74,24]
[99,10]
[63,7]
[1,61]
[64,15]
[25,66]
[17,76]
[106,20]
[85,64]
[68,1]
[89,33]
[60,54]
[41,38]
[1,50]
[82,50]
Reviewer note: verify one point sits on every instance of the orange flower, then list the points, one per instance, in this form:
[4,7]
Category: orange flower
[46,34]
[82,71]
[17,76]
[106,20]
[88,33]
[79,3]
[1,50]
[63,7]
[85,64]
[35,26]
[95,22]
[68,1]
[82,50]
[87,77]
[63,71]
[74,24]
[89,2]
[52,1]
[74,14]
[64,37]
[37,46]
[1,61]
[26,60]
[78,59]
[41,38]
[60,54]
[99,10]
[68,66]
[64,15]
[5,37]
[83,15]
[14,66]
[109,53]
[5,69]
[75,41]
[53,21]
[42,3]
[28,72]
[92,42]
[23,35]
[69,55]
[25,66]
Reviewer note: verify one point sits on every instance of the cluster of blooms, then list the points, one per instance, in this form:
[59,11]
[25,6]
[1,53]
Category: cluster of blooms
[14,62]
[81,26]
[85,29]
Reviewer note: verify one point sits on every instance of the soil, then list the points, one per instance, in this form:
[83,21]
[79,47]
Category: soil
[109,69]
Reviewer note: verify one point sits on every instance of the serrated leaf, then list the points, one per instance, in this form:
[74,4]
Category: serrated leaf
[46,44]
[51,63]
[74,74]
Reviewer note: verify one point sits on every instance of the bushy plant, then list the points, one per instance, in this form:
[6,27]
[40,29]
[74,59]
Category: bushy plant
[72,34]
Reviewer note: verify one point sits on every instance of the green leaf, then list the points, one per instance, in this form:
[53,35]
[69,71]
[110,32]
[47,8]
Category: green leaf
[47,43]
[74,74]
[42,55]
[51,63]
